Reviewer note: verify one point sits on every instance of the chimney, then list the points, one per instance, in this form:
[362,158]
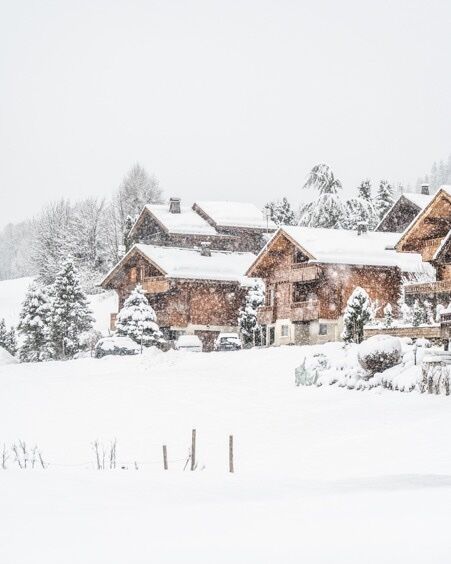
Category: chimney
[205,250]
[425,189]
[362,227]
[174,205]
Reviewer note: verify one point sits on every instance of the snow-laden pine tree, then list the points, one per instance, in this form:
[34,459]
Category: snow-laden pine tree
[11,341]
[327,210]
[388,315]
[69,316]
[281,212]
[137,320]
[384,198]
[3,333]
[418,314]
[358,313]
[361,209]
[34,326]
[247,318]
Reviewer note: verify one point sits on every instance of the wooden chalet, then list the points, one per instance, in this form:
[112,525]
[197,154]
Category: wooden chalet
[429,235]
[192,290]
[310,273]
[405,209]
[232,226]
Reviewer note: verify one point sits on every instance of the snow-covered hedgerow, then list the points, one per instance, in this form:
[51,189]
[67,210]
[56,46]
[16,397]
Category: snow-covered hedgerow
[342,366]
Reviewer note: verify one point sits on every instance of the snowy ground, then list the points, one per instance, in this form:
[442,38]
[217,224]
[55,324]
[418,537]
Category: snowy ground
[322,474]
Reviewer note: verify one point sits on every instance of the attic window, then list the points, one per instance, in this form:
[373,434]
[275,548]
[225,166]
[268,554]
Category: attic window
[298,256]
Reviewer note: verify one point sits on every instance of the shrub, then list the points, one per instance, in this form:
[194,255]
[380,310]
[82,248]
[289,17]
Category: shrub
[379,353]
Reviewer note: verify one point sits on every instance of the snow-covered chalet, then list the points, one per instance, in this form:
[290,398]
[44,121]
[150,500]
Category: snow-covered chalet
[310,273]
[191,262]
[404,210]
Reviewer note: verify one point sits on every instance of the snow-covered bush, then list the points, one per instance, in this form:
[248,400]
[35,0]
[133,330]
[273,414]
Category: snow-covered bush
[312,367]
[379,353]
[6,357]
[137,320]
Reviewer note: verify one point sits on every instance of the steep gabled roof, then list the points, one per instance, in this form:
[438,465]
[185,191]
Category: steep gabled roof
[339,246]
[183,263]
[417,201]
[444,245]
[187,222]
[443,192]
[234,214]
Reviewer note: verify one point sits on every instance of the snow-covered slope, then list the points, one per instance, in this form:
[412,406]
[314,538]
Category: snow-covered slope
[321,474]
[12,294]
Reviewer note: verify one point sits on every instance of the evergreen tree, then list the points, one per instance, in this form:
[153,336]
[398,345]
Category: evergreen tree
[137,320]
[127,239]
[3,334]
[361,209]
[384,198]
[33,326]
[247,319]
[357,314]
[70,315]
[281,212]
[11,341]
[388,315]
[328,209]
[417,314]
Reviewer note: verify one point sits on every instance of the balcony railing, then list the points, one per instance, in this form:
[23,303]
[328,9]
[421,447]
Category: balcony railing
[305,311]
[429,287]
[155,285]
[303,272]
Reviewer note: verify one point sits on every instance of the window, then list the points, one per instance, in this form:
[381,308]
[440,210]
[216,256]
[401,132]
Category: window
[269,297]
[302,292]
[298,256]
[284,331]
[322,329]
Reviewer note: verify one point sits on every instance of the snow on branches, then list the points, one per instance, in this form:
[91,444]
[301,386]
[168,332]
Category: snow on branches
[137,320]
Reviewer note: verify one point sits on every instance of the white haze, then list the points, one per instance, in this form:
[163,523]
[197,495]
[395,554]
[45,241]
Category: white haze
[234,99]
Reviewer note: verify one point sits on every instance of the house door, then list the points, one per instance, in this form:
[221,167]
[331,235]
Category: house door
[272,336]
[302,333]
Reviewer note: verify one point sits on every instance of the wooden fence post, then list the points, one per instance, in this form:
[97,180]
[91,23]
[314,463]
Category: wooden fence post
[193,449]
[231,454]
[165,457]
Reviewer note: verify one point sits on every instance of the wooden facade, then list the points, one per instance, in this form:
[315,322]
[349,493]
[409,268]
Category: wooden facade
[405,209]
[306,299]
[429,235]
[182,306]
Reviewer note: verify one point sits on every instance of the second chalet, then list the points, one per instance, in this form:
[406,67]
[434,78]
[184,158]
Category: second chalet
[310,273]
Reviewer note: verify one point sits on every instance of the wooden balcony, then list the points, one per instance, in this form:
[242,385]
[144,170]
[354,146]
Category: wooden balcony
[155,285]
[428,248]
[305,311]
[438,287]
[304,272]
[265,315]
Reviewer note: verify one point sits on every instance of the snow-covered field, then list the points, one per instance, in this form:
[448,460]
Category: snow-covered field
[322,474]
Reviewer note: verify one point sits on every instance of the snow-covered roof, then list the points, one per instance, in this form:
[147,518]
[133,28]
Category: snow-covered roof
[186,222]
[340,246]
[420,200]
[189,263]
[235,214]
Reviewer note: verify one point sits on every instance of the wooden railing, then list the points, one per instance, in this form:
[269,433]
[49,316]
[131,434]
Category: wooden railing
[429,287]
[305,311]
[155,285]
[305,271]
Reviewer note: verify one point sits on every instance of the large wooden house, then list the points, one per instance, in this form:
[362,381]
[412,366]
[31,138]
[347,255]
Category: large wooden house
[231,226]
[310,273]
[429,235]
[193,291]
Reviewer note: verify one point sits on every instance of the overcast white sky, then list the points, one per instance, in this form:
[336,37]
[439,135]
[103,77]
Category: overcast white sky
[232,99]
